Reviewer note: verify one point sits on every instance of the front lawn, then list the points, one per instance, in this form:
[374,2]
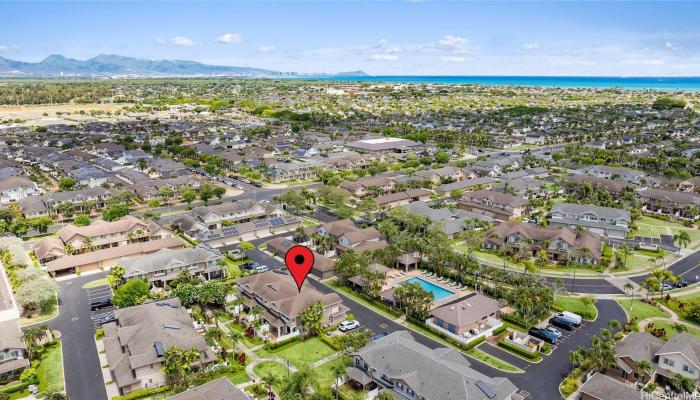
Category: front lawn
[50,370]
[275,369]
[238,378]
[671,329]
[324,373]
[653,227]
[488,359]
[576,305]
[641,310]
[302,353]
[233,269]
[247,342]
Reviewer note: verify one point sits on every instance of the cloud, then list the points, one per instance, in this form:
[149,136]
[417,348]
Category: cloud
[652,61]
[160,41]
[671,46]
[383,57]
[531,46]
[184,41]
[266,49]
[452,59]
[229,38]
[8,47]
[457,44]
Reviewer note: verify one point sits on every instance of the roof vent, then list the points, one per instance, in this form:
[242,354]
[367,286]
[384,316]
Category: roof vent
[159,349]
[169,325]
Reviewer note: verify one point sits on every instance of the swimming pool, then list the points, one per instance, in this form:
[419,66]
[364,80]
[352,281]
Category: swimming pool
[438,291]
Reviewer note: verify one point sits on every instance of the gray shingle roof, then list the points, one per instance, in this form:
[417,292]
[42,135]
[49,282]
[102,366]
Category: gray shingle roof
[435,374]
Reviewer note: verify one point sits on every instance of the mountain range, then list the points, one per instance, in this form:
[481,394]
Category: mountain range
[108,65]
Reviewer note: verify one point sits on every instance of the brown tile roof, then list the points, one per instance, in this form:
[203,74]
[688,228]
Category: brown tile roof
[467,310]
[114,253]
[279,290]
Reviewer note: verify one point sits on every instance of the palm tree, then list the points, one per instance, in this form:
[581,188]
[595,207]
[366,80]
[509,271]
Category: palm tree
[576,358]
[613,324]
[643,369]
[338,372]
[682,238]
[625,251]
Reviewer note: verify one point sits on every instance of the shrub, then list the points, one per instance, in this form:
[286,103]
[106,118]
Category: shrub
[28,376]
[141,393]
[15,388]
[499,330]
[546,348]
[331,341]
[530,355]
[514,320]
[282,343]
[568,386]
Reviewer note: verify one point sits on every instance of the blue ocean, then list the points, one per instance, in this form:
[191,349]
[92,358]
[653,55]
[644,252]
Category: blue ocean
[633,83]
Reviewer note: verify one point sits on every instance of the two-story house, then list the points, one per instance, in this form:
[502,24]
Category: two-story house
[680,205]
[493,204]
[205,218]
[15,188]
[678,355]
[409,370]
[276,294]
[627,175]
[605,221]
[378,185]
[135,344]
[163,266]
[561,244]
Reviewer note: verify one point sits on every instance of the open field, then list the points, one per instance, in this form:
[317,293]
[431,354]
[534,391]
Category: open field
[301,354]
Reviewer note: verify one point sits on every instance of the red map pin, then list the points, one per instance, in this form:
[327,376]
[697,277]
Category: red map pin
[299,260]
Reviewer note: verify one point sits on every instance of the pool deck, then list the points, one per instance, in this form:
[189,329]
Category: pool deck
[396,277]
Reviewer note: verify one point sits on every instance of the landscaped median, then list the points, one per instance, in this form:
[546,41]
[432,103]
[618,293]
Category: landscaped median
[581,305]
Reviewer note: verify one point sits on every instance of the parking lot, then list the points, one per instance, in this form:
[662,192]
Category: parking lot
[96,295]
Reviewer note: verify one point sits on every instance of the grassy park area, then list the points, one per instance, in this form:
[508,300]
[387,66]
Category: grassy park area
[300,354]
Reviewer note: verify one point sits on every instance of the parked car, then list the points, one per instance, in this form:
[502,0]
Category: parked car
[681,283]
[261,268]
[347,326]
[249,266]
[574,318]
[560,322]
[100,304]
[666,287]
[380,335]
[554,331]
[543,334]
[107,319]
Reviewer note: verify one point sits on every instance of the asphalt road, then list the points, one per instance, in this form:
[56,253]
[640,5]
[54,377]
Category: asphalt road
[82,368]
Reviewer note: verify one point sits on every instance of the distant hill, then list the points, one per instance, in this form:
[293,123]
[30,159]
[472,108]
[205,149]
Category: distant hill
[351,73]
[106,65]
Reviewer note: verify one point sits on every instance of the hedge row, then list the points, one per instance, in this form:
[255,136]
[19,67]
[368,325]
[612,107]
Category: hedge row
[282,343]
[331,341]
[141,393]
[514,320]
[530,355]
[499,330]
[15,388]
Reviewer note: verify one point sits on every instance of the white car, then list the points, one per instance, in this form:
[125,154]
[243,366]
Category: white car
[346,326]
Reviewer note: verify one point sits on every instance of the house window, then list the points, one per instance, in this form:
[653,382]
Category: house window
[688,369]
[669,362]
[159,272]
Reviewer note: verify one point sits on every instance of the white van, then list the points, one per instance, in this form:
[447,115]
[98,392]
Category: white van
[571,317]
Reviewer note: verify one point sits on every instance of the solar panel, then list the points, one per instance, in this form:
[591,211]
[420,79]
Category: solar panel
[286,243]
[276,221]
[159,349]
[487,390]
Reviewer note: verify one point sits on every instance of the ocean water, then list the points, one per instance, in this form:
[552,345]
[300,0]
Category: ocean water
[633,83]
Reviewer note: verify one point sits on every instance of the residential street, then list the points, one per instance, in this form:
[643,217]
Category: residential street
[80,360]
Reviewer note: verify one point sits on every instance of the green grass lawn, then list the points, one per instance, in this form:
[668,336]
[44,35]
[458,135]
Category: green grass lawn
[324,372]
[640,310]
[575,305]
[247,342]
[648,226]
[232,267]
[671,328]
[493,361]
[275,369]
[301,354]
[50,370]
[96,283]
[238,378]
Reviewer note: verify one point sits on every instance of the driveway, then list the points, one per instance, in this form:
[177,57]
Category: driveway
[81,363]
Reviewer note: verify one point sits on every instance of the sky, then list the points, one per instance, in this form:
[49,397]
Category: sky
[589,38]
